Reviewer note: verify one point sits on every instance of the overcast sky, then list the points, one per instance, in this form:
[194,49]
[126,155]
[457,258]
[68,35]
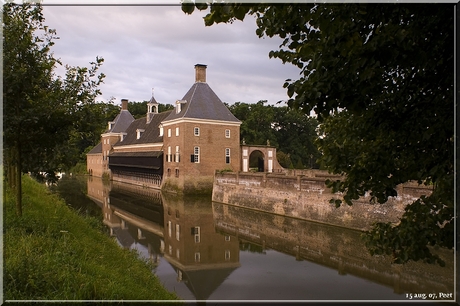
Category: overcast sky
[147,47]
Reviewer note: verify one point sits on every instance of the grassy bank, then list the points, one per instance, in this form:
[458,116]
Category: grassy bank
[52,253]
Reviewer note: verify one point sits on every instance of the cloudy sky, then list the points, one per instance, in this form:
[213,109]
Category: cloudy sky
[157,46]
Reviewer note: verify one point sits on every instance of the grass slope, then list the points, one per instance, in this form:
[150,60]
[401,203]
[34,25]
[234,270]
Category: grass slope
[52,253]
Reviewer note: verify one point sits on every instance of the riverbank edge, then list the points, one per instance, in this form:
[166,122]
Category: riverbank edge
[53,253]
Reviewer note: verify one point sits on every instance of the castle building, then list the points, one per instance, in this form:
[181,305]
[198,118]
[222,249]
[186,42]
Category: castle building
[177,150]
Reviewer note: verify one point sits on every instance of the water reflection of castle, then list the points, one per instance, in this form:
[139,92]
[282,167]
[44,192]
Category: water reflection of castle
[202,241]
[179,229]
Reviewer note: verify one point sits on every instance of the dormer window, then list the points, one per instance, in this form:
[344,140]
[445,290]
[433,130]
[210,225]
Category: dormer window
[161,130]
[111,124]
[139,133]
[179,105]
[122,136]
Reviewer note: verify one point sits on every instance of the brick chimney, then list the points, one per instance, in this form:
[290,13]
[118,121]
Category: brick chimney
[200,73]
[124,104]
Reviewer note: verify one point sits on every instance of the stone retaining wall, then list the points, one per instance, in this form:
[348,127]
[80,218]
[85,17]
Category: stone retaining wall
[307,198]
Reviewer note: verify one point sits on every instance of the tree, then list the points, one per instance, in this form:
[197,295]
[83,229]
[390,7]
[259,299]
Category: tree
[290,130]
[257,122]
[380,79]
[139,109]
[40,109]
[296,134]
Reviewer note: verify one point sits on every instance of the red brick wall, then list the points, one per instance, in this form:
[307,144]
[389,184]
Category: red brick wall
[212,143]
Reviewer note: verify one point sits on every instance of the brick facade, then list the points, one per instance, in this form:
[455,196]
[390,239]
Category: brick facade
[195,139]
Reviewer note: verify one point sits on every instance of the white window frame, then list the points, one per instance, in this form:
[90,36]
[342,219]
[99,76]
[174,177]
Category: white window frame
[197,256]
[197,234]
[227,155]
[227,133]
[168,156]
[177,155]
[196,154]
[196,131]
[177,232]
[227,255]
[177,131]
[169,132]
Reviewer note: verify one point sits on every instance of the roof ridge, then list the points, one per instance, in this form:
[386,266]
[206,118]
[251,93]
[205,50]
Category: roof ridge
[191,99]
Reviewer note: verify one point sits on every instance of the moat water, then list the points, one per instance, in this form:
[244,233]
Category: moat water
[209,251]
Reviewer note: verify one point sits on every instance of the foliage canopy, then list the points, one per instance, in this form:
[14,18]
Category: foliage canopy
[42,111]
[380,78]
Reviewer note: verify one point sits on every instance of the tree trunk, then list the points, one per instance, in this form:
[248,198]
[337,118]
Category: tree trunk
[17,176]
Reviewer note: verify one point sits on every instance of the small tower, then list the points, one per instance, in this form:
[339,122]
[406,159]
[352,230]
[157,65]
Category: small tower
[152,108]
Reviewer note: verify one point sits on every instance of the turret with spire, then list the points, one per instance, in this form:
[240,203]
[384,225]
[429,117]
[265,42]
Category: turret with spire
[152,108]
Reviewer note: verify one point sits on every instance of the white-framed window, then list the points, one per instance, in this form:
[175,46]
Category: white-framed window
[196,131]
[177,156]
[168,156]
[227,155]
[169,228]
[177,254]
[227,133]
[139,133]
[227,238]
[227,254]
[195,158]
[177,232]
[161,130]
[177,131]
[197,257]
[197,234]
[169,132]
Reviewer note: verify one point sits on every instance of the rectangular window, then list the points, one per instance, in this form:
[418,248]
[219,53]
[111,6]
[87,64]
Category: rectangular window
[169,132]
[177,232]
[195,157]
[169,228]
[227,238]
[168,156]
[197,257]
[177,156]
[227,155]
[197,234]
[227,254]
[227,133]
[196,131]
[177,131]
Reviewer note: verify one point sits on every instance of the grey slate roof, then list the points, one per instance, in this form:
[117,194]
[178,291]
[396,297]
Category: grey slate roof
[121,122]
[96,150]
[151,132]
[203,103]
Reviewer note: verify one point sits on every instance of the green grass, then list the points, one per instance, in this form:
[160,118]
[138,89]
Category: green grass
[52,253]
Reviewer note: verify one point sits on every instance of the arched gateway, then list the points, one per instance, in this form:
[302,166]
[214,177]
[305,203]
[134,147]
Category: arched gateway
[259,158]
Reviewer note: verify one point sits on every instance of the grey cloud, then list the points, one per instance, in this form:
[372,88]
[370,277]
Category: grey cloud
[157,46]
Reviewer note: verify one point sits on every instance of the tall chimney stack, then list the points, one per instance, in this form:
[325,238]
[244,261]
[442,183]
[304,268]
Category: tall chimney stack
[124,104]
[200,73]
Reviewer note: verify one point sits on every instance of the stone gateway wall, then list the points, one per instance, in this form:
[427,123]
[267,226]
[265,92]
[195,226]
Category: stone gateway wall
[307,198]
